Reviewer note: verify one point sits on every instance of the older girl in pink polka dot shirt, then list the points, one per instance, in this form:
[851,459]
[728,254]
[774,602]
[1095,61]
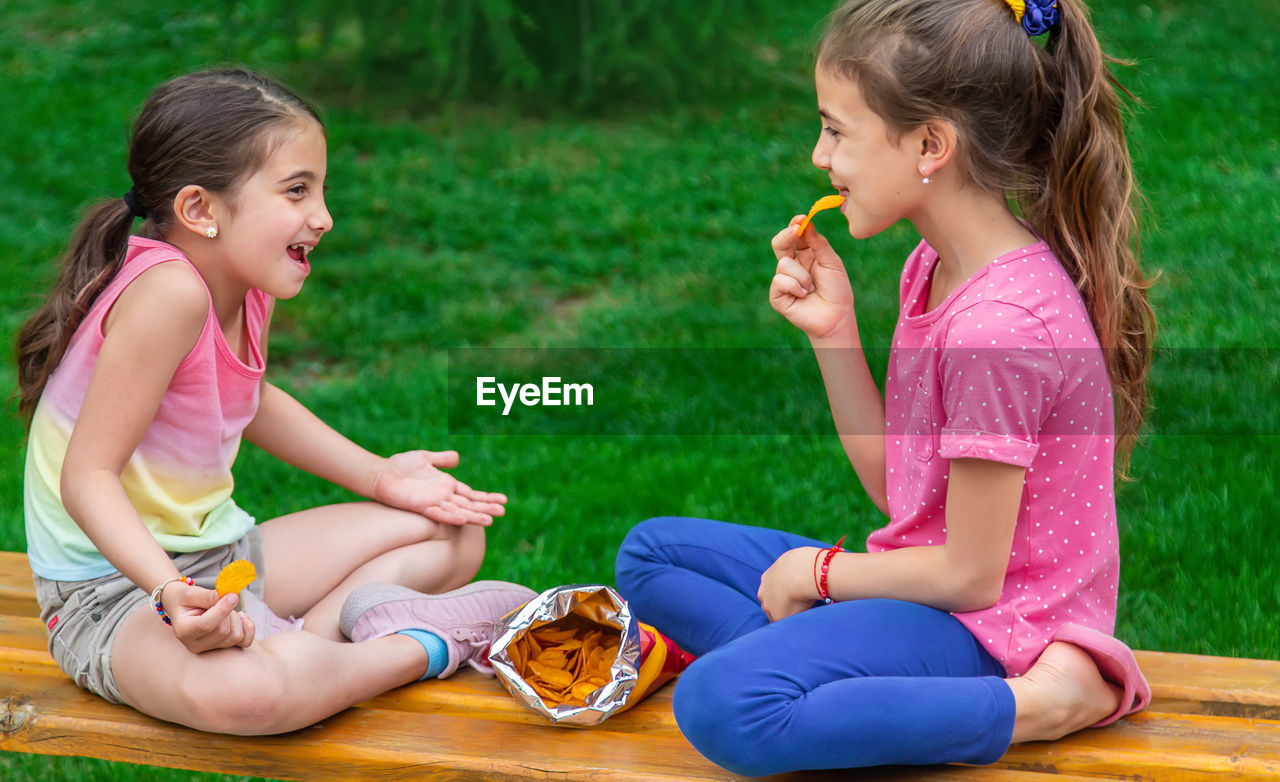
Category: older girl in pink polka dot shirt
[982,613]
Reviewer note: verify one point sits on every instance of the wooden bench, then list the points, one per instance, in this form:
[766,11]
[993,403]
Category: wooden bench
[1211,717]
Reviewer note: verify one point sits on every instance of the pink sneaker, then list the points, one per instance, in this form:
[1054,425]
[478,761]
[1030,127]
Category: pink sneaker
[463,618]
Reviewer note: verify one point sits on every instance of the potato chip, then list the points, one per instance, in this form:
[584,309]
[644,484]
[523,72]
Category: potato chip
[554,658]
[826,202]
[519,656]
[550,634]
[553,676]
[549,696]
[235,577]
[582,689]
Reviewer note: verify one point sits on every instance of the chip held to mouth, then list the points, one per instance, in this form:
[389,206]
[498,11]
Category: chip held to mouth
[826,202]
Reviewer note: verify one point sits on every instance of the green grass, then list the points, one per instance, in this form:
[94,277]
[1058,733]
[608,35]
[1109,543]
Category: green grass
[648,228]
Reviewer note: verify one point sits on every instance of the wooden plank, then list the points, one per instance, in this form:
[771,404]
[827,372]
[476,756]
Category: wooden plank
[947,774]
[23,649]
[468,694]
[17,591]
[1226,686]
[52,716]
[56,718]
[1161,746]
[1183,684]
[1211,717]
[23,632]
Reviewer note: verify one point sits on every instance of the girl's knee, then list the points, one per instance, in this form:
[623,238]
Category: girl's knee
[250,702]
[640,547]
[714,709]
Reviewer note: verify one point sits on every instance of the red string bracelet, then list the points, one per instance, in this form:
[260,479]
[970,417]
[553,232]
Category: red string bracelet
[816,586]
[826,565]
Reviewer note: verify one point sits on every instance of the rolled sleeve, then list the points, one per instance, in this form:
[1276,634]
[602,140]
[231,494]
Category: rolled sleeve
[1000,378]
[973,444]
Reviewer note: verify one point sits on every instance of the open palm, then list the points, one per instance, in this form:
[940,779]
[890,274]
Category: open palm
[415,481]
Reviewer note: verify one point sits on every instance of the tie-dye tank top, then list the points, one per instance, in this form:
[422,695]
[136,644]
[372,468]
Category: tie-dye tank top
[179,477]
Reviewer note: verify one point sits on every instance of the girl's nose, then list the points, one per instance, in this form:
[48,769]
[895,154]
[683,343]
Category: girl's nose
[821,156]
[321,220]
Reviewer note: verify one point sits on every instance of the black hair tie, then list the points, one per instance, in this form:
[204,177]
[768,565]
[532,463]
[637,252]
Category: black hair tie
[131,201]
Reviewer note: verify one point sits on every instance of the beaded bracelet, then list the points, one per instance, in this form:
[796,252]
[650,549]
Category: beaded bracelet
[826,565]
[155,595]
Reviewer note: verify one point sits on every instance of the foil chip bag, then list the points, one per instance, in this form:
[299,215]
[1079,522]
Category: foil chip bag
[575,655]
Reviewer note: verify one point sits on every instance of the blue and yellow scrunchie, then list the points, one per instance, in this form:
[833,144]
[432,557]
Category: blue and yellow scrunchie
[1036,16]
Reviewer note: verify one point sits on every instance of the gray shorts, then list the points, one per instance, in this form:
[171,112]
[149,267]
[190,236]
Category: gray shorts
[83,617]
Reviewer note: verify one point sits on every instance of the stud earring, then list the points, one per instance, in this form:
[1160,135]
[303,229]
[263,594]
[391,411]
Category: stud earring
[211,232]
[925,180]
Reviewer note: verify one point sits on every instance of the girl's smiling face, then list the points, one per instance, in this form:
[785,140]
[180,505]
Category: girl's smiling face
[277,215]
[875,172]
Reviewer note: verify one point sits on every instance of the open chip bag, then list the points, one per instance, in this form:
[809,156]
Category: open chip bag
[576,655]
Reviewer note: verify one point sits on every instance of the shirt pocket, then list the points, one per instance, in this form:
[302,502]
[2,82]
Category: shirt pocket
[922,435]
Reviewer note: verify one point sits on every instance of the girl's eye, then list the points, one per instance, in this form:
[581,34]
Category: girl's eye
[830,131]
[298,190]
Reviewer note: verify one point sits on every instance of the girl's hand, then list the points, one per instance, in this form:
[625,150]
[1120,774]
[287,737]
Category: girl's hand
[413,481]
[787,587]
[203,621]
[810,286]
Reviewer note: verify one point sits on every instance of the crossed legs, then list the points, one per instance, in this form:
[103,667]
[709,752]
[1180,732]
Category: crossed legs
[313,559]
[865,682]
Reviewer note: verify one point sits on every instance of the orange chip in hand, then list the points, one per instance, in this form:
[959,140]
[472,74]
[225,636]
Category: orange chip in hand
[826,202]
[234,577]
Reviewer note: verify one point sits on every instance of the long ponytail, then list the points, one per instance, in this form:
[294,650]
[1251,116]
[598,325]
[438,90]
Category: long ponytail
[1084,207]
[96,253]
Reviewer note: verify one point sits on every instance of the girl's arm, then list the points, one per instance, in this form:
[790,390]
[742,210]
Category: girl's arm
[811,289]
[286,429]
[150,329]
[857,408]
[963,573]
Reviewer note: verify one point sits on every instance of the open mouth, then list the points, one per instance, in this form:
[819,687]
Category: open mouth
[298,252]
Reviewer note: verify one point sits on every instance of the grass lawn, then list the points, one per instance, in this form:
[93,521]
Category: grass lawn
[647,228]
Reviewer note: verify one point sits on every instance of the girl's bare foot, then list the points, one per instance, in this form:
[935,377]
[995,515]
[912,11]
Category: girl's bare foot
[1062,693]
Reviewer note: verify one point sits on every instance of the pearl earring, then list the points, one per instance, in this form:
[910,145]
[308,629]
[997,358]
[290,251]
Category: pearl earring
[211,232]
[925,180]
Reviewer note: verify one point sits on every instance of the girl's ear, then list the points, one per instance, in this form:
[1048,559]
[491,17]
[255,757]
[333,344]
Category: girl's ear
[195,209]
[938,140]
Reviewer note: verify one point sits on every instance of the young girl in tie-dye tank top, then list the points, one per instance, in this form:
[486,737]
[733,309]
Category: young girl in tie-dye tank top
[139,378]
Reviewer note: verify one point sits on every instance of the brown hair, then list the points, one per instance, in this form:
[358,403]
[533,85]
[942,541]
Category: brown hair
[1041,124]
[212,128]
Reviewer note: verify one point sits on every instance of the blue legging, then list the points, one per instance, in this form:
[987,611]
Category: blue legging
[858,683]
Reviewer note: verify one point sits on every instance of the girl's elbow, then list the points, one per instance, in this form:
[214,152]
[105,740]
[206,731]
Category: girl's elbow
[78,478]
[69,480]
[977,592]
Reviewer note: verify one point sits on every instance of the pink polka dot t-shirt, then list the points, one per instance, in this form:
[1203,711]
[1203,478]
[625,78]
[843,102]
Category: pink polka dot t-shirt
[1009,369]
